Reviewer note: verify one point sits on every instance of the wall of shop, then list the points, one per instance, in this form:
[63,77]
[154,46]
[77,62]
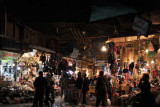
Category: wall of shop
[2,18]
[12,28]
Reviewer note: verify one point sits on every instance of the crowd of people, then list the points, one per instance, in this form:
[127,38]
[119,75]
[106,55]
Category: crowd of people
[43,87]
[103,88]
[81,83]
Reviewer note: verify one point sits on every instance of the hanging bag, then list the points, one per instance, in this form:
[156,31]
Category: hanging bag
[108,101]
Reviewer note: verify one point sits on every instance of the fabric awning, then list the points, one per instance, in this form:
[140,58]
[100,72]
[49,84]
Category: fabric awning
[42,49]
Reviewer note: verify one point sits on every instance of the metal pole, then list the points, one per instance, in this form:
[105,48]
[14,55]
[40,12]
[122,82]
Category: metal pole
[138,37]
[139,51]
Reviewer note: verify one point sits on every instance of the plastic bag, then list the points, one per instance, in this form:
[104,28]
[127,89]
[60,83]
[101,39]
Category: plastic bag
[108,102]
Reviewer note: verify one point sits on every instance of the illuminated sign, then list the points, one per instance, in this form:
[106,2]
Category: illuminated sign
[9,55]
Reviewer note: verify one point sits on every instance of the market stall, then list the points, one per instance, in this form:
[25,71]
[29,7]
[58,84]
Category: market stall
[8,65]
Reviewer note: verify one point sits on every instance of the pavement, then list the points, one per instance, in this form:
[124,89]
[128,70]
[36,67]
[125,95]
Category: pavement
[59,102]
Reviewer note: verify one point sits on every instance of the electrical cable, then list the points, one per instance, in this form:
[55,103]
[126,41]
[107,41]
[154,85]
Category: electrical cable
[73,34]
[77,35]
[81,36]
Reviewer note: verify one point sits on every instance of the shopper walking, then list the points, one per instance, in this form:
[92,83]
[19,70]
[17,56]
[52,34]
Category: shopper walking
[85,88]
[91,81]
[79,82]
[62,84]
[66,87]
[146,98]
[150,76]
[40,86]
[47,91]
[52,83]
[101,90]
[72,80]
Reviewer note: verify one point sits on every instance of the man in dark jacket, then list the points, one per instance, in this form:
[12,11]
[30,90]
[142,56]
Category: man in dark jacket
[49,89]
[101,90]
[62,84]
[146,97]
[79,82]
[40,86]
[85,88]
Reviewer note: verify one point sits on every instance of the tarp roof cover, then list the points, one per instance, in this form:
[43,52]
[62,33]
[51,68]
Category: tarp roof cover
[106,9]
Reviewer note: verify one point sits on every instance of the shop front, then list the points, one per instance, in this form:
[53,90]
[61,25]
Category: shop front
[132,58]
[8,65]
[27,69]
[31,63]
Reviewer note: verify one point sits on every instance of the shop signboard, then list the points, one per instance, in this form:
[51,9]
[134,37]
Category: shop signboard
[141,25]
[9,55]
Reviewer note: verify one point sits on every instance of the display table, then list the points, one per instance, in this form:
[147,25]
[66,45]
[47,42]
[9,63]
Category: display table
[5,83]
[124,99]
[115,99]
[12,95]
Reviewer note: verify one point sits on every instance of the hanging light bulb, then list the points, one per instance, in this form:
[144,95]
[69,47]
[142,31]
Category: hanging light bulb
[84,32]
[85,47]
[104,48]
[146,50]
[13,64]
[152,62]
[147,64]
[158,51]
[18,68]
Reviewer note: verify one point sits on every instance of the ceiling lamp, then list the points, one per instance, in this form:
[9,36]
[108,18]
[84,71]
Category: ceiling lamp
[13,65]
[146,50]
[84,32]
[104,49]
[85,47]
[147,64]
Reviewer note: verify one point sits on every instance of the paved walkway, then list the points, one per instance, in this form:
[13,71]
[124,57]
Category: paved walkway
[59,102]
[30,105]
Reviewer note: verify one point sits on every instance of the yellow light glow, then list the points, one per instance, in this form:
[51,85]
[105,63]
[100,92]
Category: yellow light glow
[104,49]
[152,62]
[84,32]
[76,72]
[26,55]
[146,50]
[87,73]
[29,69]
[13,64]
[147,64]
